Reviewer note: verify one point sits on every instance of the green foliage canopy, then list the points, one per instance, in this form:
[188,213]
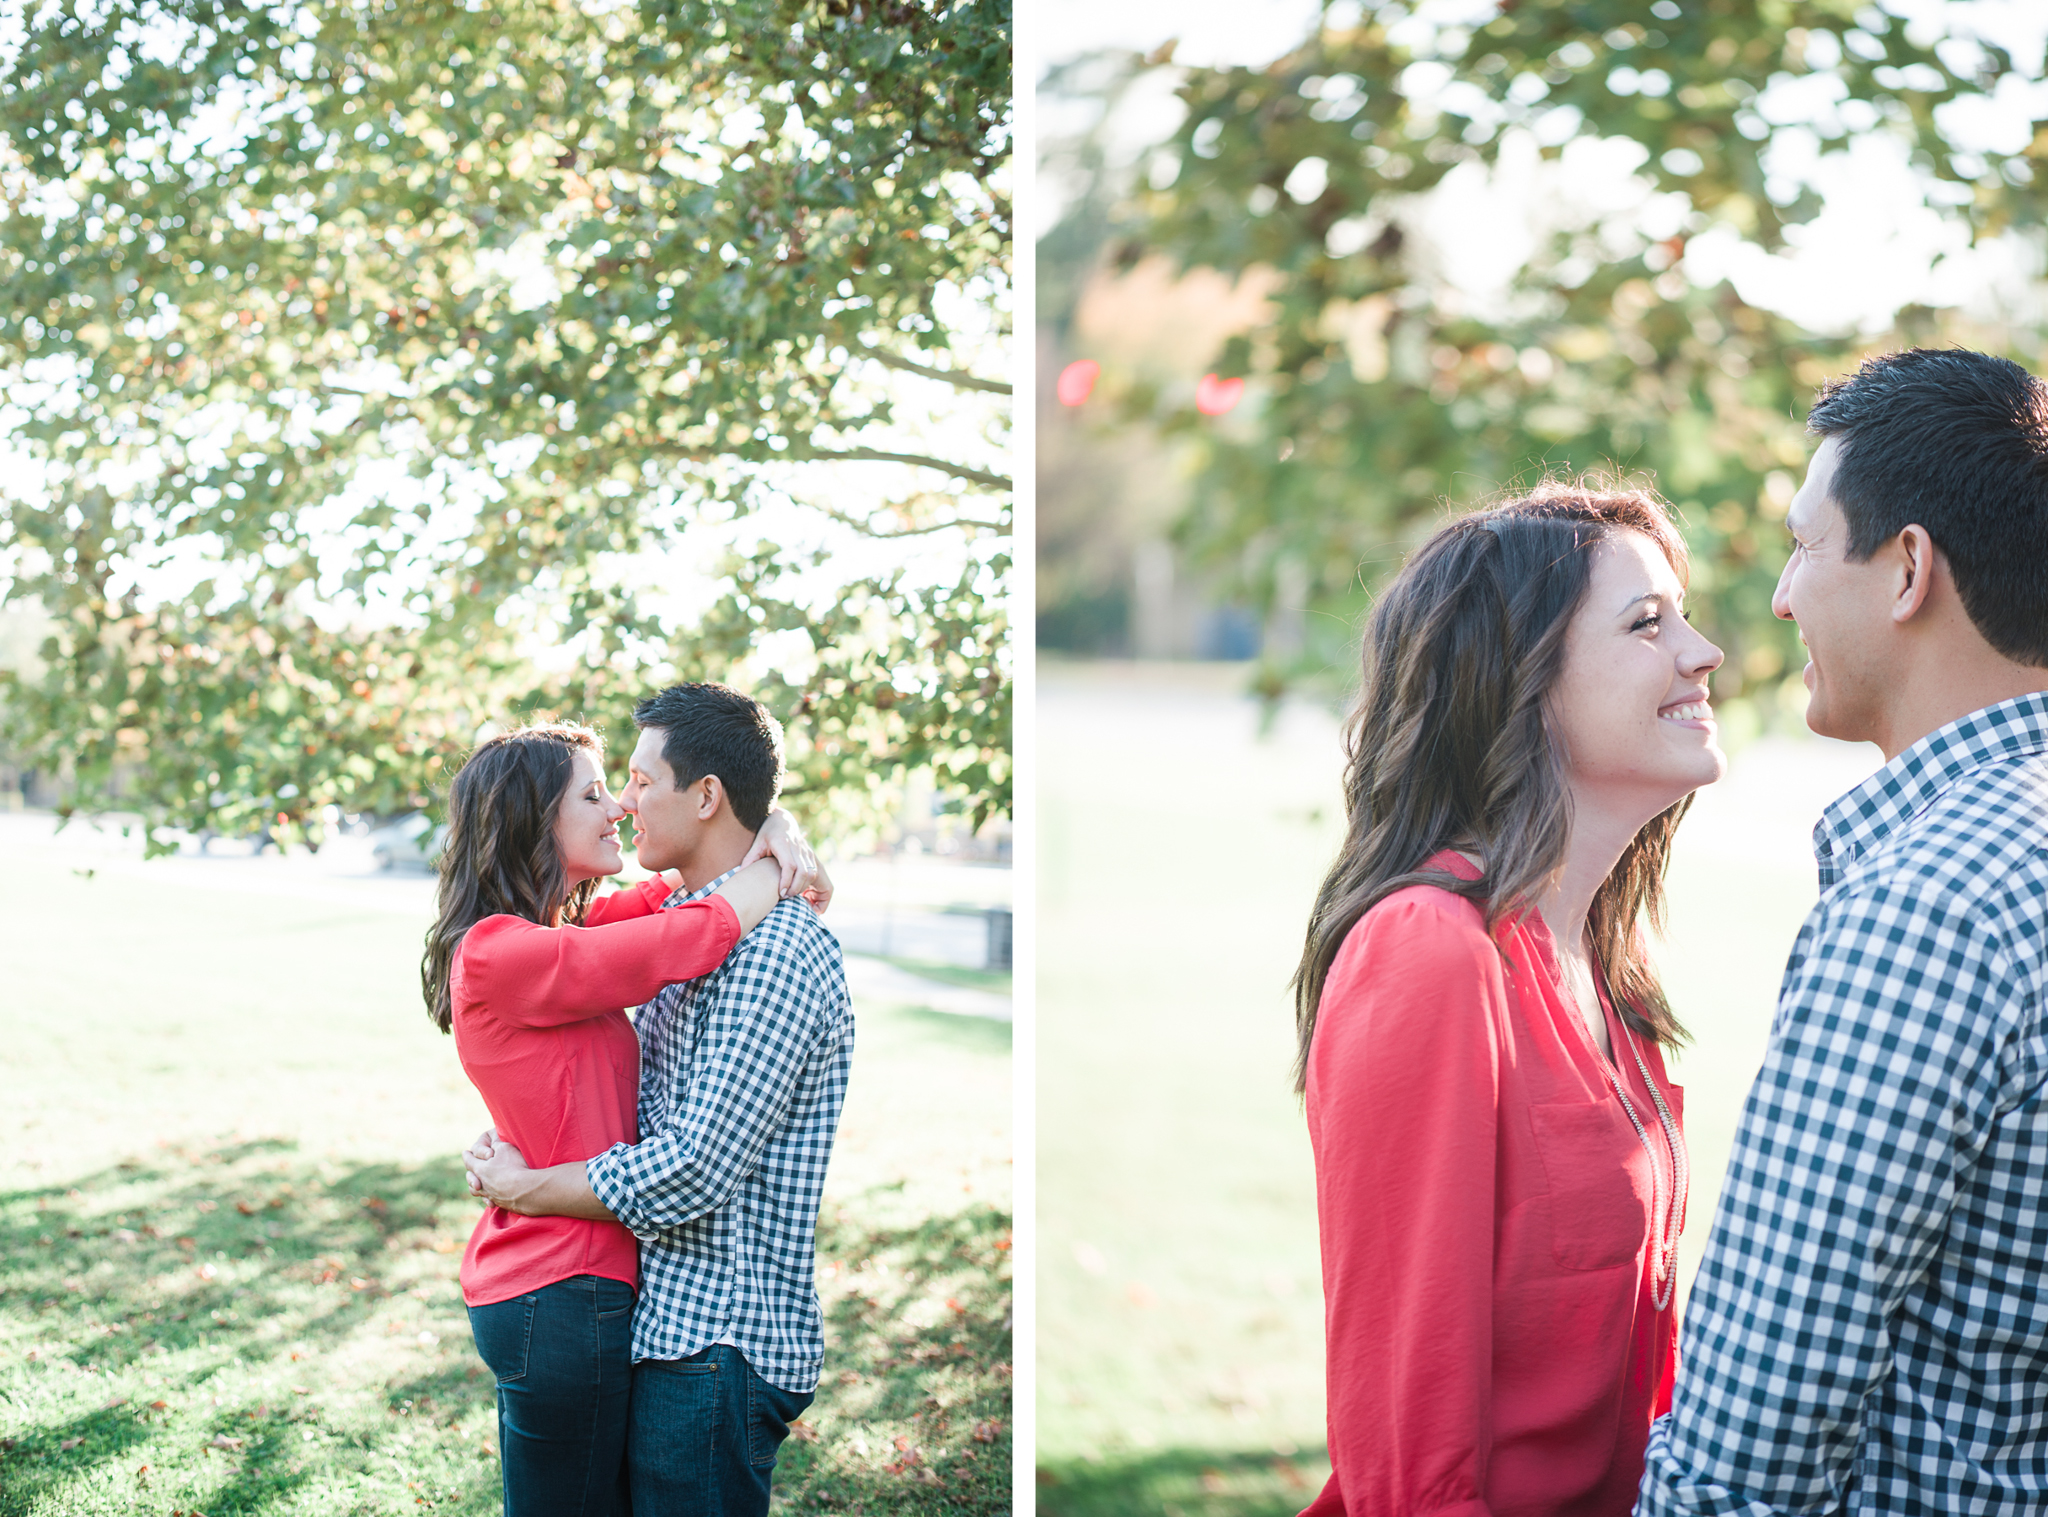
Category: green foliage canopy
[410,324]
[1376,392]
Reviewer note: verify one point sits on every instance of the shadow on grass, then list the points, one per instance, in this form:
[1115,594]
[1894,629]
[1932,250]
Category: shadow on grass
[913,1415]
[1182,1483]
[157,1313]
[162,1260]
[245,1330]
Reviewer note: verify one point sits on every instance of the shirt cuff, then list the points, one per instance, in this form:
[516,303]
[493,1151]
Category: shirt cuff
[728,917]
[609,1185]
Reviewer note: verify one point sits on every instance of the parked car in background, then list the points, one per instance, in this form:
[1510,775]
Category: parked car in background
[412,841]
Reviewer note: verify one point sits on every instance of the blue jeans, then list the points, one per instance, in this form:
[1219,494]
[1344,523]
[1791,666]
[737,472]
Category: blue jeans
[705,1432]
[563,1357]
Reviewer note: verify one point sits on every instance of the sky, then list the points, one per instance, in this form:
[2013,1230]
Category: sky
[1876,246]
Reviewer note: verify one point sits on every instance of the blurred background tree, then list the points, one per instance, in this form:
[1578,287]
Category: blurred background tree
[372,372]
[1435,251]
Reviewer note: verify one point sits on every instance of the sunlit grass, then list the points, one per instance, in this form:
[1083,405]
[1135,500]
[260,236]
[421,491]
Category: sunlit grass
[231,1219]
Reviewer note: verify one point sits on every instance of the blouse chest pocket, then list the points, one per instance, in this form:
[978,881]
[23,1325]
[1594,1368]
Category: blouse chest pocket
[1599,1183]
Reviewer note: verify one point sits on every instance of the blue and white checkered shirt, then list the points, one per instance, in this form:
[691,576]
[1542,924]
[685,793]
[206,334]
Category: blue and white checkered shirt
[1869,1330]
[742,1075]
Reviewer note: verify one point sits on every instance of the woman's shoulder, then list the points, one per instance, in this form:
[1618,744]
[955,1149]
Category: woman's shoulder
[1420,930]
[489,931]
[1423,911]
[481,952]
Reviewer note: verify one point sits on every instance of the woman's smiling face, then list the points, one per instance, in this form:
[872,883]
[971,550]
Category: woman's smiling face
[1630,704]
[587,826]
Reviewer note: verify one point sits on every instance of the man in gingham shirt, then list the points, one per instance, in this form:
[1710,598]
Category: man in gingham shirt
[1869,1330]
[742,1076]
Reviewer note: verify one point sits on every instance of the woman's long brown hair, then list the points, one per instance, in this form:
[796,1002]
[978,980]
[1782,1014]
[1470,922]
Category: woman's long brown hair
[500,857]
[1450,745]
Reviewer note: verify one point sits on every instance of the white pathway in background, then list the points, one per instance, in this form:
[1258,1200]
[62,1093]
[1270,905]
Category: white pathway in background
[931,909]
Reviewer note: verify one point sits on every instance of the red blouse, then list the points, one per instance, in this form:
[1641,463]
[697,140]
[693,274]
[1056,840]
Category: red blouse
[541,1034]
[1486,1210]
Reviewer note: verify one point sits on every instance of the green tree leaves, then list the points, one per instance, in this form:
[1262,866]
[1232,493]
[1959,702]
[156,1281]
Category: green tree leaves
[1378,391]
[408,320]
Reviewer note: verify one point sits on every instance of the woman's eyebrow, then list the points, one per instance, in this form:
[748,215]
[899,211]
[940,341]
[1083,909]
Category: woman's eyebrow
[1636,600]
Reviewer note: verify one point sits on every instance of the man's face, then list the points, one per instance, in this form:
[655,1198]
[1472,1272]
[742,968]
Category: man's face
[665,819]
[1843,609]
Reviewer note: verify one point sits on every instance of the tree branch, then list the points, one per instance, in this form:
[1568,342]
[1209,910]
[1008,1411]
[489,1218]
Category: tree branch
[950,376]
[965,523]
[876,455]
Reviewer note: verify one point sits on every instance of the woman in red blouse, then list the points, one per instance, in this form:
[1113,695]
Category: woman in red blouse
[531,970]
[1500,1172]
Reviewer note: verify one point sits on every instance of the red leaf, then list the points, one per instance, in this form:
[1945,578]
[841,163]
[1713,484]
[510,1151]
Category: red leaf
[1077,381]
[1215,396]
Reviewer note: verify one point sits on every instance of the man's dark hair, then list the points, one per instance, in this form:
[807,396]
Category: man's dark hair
[1956,442]
[713,729]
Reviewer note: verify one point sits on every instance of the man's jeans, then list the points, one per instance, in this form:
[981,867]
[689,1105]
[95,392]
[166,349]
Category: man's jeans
[563,1356]
[705,1432]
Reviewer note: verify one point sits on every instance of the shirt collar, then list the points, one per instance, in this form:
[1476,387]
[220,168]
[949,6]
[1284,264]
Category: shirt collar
[1861,820]
[683,897]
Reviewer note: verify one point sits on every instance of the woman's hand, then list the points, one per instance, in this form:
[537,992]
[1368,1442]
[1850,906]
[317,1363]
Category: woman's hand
[800,872]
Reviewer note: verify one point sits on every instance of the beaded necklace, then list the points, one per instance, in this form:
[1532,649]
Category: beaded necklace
[1664,1242]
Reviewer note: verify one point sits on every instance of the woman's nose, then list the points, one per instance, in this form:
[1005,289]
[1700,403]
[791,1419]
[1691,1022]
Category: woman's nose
[1708,657]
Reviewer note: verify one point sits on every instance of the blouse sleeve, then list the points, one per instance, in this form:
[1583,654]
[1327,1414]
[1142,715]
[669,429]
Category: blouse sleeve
[640,900]
[535,976]
[1402,1082]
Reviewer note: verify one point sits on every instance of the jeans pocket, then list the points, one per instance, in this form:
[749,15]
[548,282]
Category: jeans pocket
[615,1298]
[504,1336]
[770,1411]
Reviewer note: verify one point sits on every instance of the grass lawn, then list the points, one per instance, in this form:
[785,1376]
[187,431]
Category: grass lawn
[1180,1339]
[994,981]
[231,1217]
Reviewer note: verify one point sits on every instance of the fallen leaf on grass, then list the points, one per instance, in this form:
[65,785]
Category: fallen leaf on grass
[117,1401]
[159,1406]
[987,1432]
[1213,1482]
[68,1445]
[803,1432]
[224,1443]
